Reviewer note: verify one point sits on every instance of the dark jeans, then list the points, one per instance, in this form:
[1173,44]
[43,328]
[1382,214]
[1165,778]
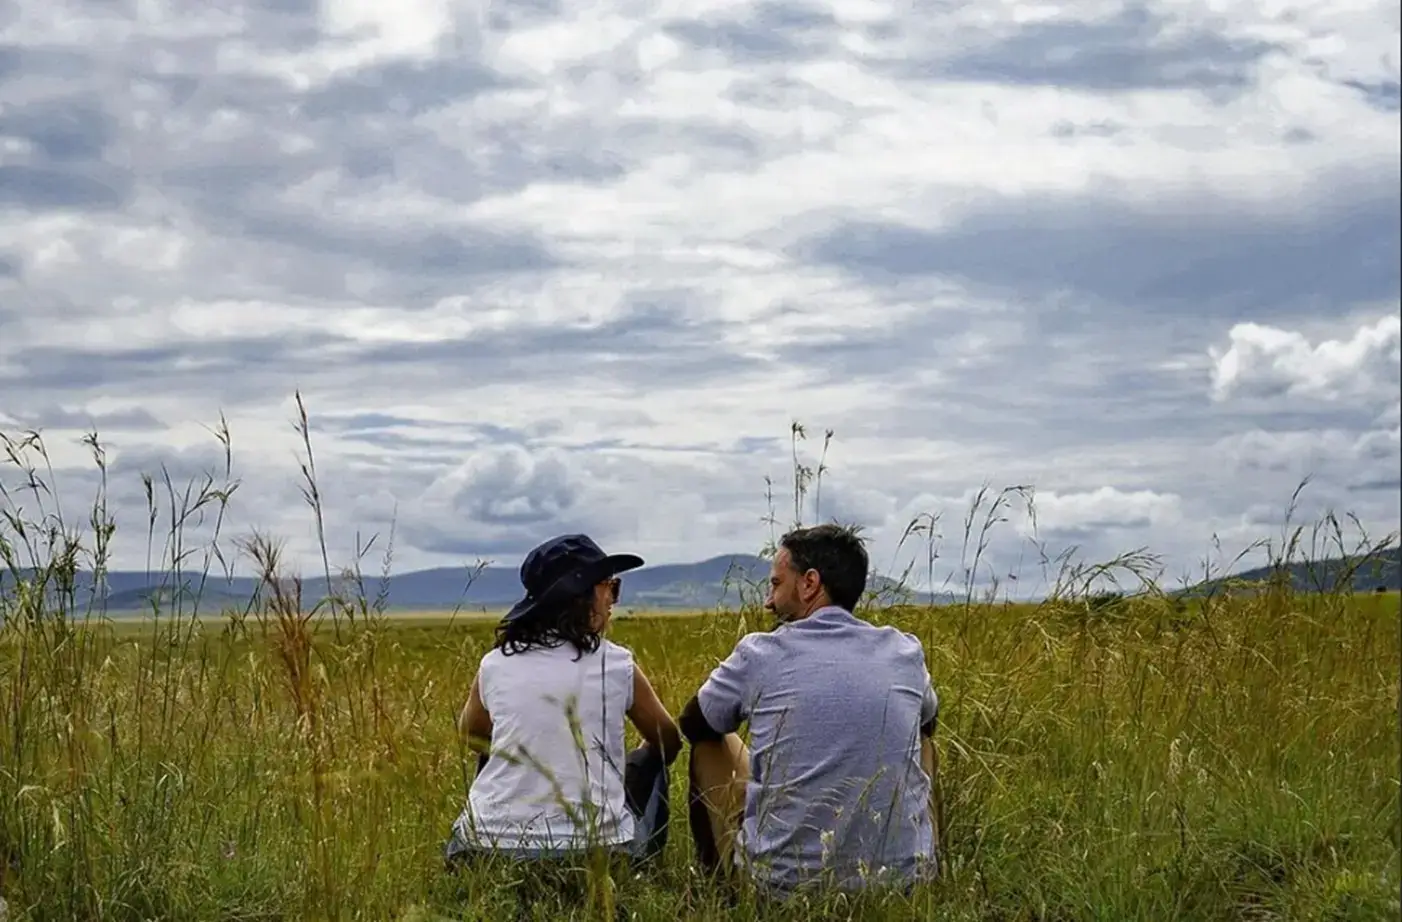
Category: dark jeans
[646,795]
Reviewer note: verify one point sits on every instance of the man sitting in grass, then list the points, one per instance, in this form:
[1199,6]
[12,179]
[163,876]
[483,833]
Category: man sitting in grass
[838,788]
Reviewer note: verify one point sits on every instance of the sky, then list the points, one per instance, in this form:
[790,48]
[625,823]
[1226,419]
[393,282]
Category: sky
[540,267]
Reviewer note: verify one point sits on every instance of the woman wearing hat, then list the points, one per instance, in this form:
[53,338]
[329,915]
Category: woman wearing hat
[549,701]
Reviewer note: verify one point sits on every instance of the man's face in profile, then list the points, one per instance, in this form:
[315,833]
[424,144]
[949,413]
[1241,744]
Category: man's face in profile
[783,588]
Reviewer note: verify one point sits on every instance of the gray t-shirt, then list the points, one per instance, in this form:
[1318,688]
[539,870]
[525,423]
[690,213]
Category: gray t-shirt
[836,789]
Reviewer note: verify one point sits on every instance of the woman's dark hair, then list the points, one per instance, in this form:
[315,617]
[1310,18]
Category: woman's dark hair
[569,622]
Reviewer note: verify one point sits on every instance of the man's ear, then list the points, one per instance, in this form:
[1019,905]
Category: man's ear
[812,583]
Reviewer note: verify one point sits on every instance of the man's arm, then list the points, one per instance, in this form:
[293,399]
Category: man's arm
[694,726]
[722,703]
[930,761]
[929,710]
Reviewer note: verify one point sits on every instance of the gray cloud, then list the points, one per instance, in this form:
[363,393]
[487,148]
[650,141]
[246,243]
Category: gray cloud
[431,253]
[1261,465]
[133,369]
[286,24]
[769,32]
[406,90]
[1384,94]
[518,14]
[69,130]
[648,347]
[1027,368]
[298,9]
[644,344]
[1377,486]
[44,189]
[216,144]
[1218,262]
[1131,50]
[371,422]
[30,61]
[55,417]
[434,444]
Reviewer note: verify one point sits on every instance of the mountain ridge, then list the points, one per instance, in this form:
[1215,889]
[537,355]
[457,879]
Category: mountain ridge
[725,580]
[1380,570]
[722,581]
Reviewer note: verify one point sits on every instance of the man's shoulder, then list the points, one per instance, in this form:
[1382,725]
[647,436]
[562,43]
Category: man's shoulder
[897,636]
[750,651]
[755,644]
[905,640]
[895,646]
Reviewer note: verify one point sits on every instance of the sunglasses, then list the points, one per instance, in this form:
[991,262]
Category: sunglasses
[615,585]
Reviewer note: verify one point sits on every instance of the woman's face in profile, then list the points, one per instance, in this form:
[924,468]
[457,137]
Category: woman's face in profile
[605,594]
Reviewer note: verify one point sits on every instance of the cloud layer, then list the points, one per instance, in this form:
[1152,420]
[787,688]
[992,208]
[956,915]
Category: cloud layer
[539,267]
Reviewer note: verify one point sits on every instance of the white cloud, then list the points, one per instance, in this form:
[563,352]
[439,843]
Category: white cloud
[1107,508]
[1267,361]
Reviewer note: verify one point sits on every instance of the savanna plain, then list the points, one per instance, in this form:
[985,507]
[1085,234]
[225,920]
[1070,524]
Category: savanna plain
[1231,757]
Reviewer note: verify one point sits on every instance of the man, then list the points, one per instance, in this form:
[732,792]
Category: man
[840,786]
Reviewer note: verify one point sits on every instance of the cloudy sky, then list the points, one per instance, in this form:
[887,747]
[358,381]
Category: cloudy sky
[542,266]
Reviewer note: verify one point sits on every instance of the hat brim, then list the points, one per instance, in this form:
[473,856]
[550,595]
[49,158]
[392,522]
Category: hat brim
[614,564]
[591,575]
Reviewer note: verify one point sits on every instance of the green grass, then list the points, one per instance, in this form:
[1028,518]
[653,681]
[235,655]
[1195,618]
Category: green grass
[1241,762]
[1235,758]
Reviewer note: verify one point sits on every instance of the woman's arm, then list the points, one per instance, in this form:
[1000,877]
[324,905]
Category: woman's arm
[652,718]
[474,722]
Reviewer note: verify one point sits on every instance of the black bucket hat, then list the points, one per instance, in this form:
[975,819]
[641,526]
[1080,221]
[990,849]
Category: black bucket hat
[563,568]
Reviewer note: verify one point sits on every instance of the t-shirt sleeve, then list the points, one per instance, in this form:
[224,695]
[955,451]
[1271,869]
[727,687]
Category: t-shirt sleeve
[628,679]
[929,698]
[725,695]
[484,677]
[617,666]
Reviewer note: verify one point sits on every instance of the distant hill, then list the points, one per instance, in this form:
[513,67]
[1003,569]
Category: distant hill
[724,581]
[1382,570]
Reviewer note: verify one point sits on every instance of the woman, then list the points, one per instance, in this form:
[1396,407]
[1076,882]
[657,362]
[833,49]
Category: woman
[549,700]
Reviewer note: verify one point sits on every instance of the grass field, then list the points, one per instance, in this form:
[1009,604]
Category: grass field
[1240,761]
[1233,759]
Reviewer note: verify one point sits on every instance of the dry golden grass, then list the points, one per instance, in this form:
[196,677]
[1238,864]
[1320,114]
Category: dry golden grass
[1103,759]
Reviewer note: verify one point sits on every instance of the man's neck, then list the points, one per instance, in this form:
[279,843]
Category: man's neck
[817,605]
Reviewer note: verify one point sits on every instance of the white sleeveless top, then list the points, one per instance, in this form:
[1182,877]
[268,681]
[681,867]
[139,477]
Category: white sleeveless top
[537,776]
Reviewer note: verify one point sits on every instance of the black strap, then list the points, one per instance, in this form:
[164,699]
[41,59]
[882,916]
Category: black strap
[694,726]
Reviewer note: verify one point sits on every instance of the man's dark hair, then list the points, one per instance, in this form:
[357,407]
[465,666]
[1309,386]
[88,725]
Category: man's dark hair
[569,622]
[839,555]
